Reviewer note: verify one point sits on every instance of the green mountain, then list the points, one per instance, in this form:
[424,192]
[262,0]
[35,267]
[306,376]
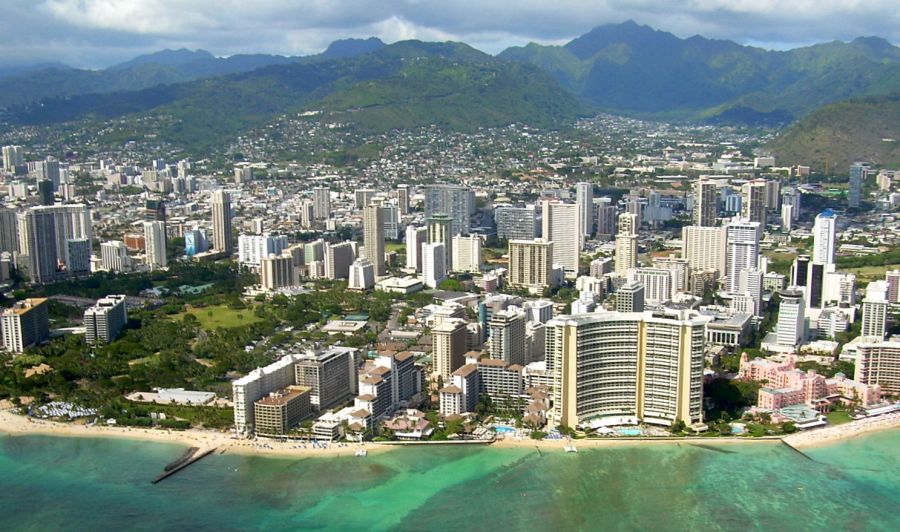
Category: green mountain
[634,69]
[405,84]
[863,129]
[25,86]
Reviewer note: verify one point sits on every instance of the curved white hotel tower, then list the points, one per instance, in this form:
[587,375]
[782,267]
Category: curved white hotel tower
[640,364]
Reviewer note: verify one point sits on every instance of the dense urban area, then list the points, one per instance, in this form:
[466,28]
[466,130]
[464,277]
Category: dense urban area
[309,281]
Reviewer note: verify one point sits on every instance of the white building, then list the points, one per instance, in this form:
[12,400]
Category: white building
[584,198]
[824,238]
[466,253]
[433,268]
[875,310]
[252,248]
[791,328]
[155,244]
[276,271]
[742,250]
[362,275]
[560,226]
[415,239]
[114,256]
[104,321]
[704,248]
[658,286]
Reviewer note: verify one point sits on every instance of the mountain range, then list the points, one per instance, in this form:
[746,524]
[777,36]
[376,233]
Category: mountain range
[621,68]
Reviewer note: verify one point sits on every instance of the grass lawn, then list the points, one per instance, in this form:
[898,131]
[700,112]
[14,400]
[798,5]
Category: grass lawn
[868,274]
[838,417]
[216,316]
[394,246]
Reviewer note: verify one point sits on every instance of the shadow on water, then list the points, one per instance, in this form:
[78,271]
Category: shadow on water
[713,448]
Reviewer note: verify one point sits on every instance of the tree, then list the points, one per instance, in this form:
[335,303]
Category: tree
[677,427]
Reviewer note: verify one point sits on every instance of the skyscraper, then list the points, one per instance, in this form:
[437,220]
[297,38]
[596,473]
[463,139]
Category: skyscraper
[37,238]
[403,198]
[560,226]
[704,248]
[12,157]
[606,220]
[858,173]
[791,328]
[753,206]
[373,236]
[705,197]
[221,222]
[9,232]
[155,244]
[322,203]
[626,364]
[741,250]
[531,264]
[415,238]
[584,198]
[466,254]
[434,269]
[626,243]
[516,223]
[823,238]
[440,230]
[507,339]
[875,310]
[104,321]
[455,201]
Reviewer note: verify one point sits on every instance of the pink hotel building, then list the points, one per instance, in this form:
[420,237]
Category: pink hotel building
[786,385]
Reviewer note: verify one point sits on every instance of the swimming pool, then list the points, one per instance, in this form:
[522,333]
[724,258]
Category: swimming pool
[500,429]
[629,432]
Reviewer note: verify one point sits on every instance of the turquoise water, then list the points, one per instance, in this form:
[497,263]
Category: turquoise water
[629,432]
[51,483]
[500,429]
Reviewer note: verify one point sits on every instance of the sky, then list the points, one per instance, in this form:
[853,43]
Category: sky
[98,33]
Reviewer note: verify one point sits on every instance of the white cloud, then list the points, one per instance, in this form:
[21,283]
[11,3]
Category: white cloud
[95,32]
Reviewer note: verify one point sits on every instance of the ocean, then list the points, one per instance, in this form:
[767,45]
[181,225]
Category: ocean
[57,483]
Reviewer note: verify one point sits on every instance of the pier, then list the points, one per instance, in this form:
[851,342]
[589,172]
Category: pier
[798,451]
[189,457]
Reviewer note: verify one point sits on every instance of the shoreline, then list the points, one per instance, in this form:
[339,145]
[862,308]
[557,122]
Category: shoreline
[16,425]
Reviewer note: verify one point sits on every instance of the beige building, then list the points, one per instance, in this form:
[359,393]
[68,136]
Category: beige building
[878,362]
[612,364]
[373,236]
[281,411]
[531,264]
[276,272]
[704,248]
[24,324]
[449,346]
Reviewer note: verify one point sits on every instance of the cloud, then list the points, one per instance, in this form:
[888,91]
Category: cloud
[98,32]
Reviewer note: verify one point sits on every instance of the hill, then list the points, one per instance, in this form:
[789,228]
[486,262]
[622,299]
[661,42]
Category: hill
[167,67]
[405,84]
[628,68]
[844,132]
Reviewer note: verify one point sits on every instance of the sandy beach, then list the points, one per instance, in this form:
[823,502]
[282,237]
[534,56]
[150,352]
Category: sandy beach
[14,424]
[835,433]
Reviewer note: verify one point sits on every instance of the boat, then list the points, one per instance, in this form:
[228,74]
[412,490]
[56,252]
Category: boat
[570,449]
[361,452]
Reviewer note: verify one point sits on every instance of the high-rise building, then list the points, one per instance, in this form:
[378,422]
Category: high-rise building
[256,385]
[628,224]
[434,269]
[791,327]
[373,237]
[741,250]
[753,206]
[448,346]
[751,284]
[253,248]
[559,219]
[892,278]
[705,197]
[507,338]
[391,221]
[455,201]
[403,198]
[858,173]
[630,298]
[362,275]
[584,198]
[878,363]
[531,264]
[516,223]
[416,237]
[155,244]
[657,283]
[466,253]
[440,231]
[626,244]
[322,203]
[281,411]
[78,256]
[681,272]
[330,373]
[13,156]
[338,258]
[24,324]
[9,231]
[195,242]
[824,237]
[363,197]
[606,220]
[221,222]
[114,256]
[37,236]
[307,213]
[104,321]
[875,310]
[626,364]
[276,271]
